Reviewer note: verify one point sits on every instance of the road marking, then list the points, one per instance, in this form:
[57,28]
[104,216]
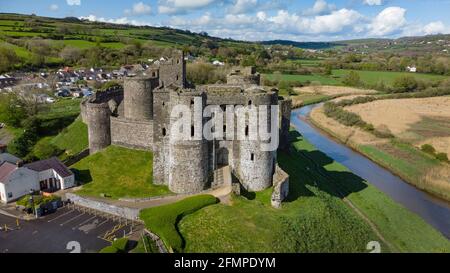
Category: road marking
[92,218]
[73,218]
[62,215]
[102,223]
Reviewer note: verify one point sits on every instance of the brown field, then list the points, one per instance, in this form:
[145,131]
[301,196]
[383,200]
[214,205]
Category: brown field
[351,136]
[334,90]
[411,165]
[310,92]
[418,121]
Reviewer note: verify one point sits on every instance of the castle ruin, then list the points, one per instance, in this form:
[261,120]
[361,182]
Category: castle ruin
[139,117]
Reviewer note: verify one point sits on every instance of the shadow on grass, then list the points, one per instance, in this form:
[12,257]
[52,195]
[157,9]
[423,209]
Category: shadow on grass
[83,176]
[307,169]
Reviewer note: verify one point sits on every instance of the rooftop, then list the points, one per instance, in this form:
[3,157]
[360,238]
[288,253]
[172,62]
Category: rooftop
[51,163]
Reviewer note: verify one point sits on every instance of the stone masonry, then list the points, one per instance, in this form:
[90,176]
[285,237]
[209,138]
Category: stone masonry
[138,117]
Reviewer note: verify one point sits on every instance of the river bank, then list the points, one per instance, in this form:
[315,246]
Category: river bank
[434,211]
[402,159]
[329,209]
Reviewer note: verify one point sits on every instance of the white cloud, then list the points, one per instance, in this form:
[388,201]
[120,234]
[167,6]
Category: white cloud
[320,7]
[373,2]
[53,7]
[434,28]
[121,20]
[181,6]
[242,6]
[283,23]
[139,9]
[389,21]
[73,2]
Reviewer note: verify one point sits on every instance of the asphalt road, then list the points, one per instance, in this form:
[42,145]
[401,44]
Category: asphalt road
[60,232]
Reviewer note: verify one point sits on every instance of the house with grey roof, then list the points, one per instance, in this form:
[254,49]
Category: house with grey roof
[47,175]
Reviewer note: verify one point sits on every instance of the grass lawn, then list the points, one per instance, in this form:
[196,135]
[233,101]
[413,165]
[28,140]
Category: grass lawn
[72,140]
[314,218]
[163,220]
[118,172]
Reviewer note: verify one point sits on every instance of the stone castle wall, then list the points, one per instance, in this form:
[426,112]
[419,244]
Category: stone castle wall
[138,117]
[285,123]
[99,129]
[132,134]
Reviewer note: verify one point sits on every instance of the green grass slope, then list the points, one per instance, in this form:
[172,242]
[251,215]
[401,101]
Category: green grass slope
[163,220]
[118,172]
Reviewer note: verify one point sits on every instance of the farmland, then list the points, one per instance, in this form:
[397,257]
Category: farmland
[367,77]
[414,122]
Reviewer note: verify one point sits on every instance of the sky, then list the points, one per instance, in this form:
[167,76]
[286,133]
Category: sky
[257,20]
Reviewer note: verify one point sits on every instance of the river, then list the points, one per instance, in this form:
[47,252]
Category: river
[434,211]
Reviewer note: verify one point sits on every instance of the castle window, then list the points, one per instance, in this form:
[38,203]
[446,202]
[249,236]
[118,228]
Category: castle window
[178,61]
[192,102]
[252,157]
[192,131]
[154,74]
[246,130]
[164,131]
[249,102]
[224,128]
[177,77]
[163,104]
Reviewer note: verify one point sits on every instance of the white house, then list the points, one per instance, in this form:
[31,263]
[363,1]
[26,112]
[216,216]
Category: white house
[411,69]
[218,63]
[46,175]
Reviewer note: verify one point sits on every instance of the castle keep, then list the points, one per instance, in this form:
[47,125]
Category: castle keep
[139,117]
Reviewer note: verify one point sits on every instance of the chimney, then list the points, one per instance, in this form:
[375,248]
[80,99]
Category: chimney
[19,164]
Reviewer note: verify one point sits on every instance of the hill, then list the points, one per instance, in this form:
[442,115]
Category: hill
[404,45]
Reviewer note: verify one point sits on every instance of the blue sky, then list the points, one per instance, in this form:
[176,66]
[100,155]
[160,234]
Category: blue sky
[305,20]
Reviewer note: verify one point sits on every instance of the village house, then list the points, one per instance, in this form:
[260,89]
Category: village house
[17,180]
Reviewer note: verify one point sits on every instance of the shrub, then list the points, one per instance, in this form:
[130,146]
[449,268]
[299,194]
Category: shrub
[442,157]
[429,149]
[352,79]
[404,84]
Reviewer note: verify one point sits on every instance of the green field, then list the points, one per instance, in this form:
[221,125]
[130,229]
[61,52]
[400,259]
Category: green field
[118,172]
[314,218]
[81,44]
[60,109]
[367,77]
[325,80]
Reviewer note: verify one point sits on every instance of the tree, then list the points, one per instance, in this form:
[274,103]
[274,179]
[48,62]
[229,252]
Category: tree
[352,79]
[8,58]
[70,54]
[404,84]
[12,109]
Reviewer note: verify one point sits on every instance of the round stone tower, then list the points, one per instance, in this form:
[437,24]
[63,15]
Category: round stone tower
[188,152]
[99,126]
[257,166]
[138,97]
